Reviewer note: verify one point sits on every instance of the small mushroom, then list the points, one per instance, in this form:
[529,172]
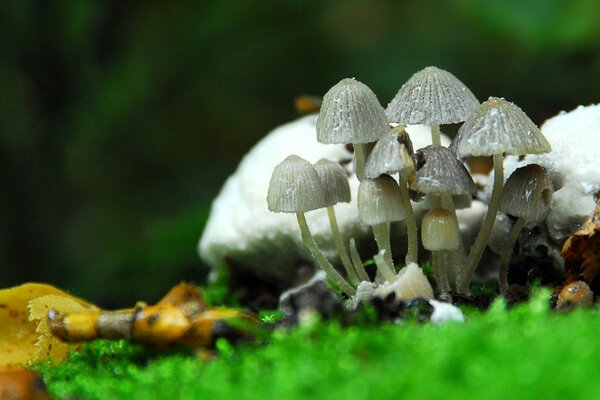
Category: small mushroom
[392,154]
[440,175]
[295,187]
[527,195]
[497,127]
[440,234]
[351,113]
[439,172]
[337,190]
[433,97]
[378,206]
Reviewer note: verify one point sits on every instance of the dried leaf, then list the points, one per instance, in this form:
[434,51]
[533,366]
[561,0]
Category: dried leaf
[581,251]
[25,337]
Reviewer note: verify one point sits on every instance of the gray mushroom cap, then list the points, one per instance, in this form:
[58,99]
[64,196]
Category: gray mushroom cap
[498,126]
[527,193]
[334,181]
[295,186]
[439,171]
[379,201]
[351,113]
[432,96]
[389,156]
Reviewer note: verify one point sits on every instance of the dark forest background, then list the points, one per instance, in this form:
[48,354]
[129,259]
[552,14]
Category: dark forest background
[119,120]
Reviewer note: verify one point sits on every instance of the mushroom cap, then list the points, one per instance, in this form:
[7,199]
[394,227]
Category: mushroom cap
[388,156]
[439,230]
[432,96]
[527,193]
[334,181]
[498,126]
[379,201]
[295,187]
[439,171]
[351,113]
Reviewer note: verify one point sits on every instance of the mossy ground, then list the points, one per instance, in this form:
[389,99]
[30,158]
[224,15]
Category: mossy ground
[524,353]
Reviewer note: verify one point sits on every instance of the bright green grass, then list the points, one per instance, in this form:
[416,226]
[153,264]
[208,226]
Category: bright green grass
[526,353]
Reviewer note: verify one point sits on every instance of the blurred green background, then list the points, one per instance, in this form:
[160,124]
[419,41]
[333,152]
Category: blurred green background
[119,120]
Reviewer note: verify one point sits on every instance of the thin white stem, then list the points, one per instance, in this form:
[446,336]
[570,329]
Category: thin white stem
[339,245]
[360,157]
[382,237]
[507,253]
[384,267]
[411,223]
[358,264]
[310,243]
[435,135]
[486,227]
[440,270]
[457,257]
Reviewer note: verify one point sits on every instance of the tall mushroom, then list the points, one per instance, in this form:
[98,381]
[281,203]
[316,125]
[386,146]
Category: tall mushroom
[440,174]
[433,97]
[337,190]
[295,187]
[497,127]
[527,195]
[378,206]
[351,113]
[392,154]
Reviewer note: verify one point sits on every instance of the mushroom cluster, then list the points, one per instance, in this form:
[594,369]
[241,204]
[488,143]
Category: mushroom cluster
[392,176]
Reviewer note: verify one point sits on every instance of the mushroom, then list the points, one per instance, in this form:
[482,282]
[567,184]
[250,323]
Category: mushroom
[337,190]
[433,97]
[392,154]
[295,187]
[527,195]
[495,128]
[440,234]
[378,206]
[439,173]
[351,113]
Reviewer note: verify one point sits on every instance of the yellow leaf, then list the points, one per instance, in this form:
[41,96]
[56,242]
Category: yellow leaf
[24,336]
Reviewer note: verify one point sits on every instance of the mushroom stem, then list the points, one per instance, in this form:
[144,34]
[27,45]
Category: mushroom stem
[382,265]
[411,223]
[457,257]
[458,260]
[435,135]
[382,237]
[507,253]
[310,243]
[339,245]
[441,271]
[358,264]
[437,201]
[486,226]
[360,157]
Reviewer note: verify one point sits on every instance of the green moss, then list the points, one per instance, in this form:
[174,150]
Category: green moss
[527,352]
